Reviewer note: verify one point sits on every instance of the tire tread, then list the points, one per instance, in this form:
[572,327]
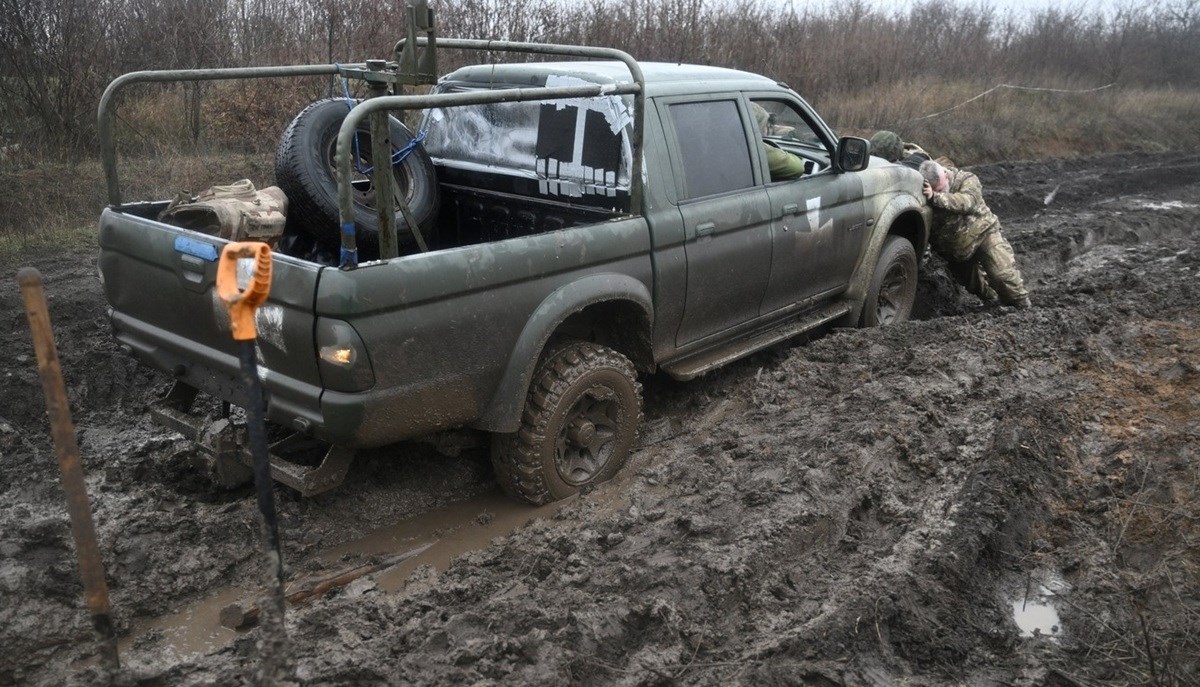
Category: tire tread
[515,456]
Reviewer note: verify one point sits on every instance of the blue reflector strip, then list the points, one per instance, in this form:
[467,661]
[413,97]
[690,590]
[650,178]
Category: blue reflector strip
[199,249]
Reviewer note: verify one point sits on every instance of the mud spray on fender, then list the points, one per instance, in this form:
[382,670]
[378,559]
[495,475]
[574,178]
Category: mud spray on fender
[242,303]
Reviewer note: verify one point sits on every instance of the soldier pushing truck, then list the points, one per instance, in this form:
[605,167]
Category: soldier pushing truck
[965,232]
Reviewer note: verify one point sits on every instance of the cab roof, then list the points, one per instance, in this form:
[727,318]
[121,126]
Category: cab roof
[662,78]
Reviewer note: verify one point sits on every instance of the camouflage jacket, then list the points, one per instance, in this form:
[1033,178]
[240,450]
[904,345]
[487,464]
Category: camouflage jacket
[960,217]
[782,164]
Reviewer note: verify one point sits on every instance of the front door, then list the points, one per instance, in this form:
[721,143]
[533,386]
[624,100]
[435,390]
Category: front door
[818,220]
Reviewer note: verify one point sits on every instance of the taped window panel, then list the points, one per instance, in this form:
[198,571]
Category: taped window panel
[565,149]
[601,146]
[556,132]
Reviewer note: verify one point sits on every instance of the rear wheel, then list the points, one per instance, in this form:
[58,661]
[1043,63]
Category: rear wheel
[579,424]
[893,285]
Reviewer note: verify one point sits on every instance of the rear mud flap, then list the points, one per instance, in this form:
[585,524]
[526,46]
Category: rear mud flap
[224,449]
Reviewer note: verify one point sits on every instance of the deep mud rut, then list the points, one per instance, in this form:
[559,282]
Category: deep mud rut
[872,507]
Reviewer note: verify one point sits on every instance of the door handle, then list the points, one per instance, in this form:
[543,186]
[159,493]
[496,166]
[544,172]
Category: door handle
[706,228]
[790,209]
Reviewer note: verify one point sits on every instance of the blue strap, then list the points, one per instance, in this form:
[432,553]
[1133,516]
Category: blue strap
[349,258]
[350,106]
[397,157]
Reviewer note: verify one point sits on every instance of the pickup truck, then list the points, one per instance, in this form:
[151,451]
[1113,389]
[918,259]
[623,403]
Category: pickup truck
[598,219]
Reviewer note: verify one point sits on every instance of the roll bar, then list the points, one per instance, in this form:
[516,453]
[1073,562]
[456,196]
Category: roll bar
[637,87]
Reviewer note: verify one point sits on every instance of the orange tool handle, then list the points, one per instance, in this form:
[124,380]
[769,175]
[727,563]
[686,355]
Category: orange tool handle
[242,303]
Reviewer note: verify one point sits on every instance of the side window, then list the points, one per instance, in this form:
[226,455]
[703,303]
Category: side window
[712,142]
[786,124]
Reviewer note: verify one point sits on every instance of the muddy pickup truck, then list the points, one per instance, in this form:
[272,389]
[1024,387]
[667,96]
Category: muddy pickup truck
[595,219]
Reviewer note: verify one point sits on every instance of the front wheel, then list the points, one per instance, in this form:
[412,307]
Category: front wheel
[579,424]
[893,285]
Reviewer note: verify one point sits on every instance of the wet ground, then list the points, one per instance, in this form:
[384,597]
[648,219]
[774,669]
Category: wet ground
[984,497]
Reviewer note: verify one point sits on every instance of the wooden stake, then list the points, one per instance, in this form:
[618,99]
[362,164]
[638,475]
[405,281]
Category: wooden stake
[91,568]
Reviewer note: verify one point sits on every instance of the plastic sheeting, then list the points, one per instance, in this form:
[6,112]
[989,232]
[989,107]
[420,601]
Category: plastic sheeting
[573,147]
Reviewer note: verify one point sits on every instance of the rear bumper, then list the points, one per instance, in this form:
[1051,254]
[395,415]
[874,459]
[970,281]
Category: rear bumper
[353,420]
[290,402]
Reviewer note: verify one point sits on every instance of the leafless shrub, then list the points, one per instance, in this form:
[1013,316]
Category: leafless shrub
[864,66]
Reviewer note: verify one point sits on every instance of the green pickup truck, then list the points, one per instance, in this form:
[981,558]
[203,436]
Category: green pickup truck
[597,219]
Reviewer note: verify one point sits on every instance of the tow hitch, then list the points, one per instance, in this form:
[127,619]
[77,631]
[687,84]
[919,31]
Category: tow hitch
[224,447]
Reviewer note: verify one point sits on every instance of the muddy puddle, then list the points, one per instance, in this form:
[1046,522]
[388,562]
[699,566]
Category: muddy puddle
[437,537]
[1035,609]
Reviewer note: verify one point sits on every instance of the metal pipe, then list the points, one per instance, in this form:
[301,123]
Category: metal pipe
[414,102]
[381,178]
[106,113]
[91,567]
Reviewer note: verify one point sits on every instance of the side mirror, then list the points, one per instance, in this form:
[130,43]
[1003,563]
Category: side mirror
[853,153]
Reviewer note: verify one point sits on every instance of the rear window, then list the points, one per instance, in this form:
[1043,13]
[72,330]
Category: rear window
[712,143]
[574,147]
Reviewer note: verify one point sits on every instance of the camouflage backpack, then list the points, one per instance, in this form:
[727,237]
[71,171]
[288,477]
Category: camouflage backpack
[237,212]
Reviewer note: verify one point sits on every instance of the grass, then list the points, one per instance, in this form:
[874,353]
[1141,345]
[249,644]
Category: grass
[53,204]
[1014,124]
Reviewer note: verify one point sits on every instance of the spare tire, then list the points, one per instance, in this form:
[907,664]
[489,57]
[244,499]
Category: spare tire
[305,168]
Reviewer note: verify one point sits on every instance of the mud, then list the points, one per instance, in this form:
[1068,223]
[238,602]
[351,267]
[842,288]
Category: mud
[870,507]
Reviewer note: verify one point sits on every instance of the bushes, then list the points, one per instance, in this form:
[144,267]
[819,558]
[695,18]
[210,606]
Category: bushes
[56,56]
[863,68]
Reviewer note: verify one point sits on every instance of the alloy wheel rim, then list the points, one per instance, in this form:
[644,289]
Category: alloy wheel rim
[588,436]
[892,294]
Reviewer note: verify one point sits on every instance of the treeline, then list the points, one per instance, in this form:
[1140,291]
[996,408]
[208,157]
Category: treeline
[56,56]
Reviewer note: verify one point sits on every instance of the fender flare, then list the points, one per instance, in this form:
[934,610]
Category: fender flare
[503,412]
[856,294]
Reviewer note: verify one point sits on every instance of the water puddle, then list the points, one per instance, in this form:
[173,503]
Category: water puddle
[1165,205]
[450,532]
[440,535]
[1034,609]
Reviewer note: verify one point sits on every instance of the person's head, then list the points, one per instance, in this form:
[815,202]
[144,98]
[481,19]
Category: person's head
[935,175]
[887,145]
[762,118]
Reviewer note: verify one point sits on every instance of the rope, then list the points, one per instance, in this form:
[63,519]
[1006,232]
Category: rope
[1016,88]
[398,156]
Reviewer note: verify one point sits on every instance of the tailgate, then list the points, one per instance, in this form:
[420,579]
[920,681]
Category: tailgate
[160,282]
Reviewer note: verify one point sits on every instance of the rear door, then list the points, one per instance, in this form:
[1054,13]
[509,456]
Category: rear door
[725,211]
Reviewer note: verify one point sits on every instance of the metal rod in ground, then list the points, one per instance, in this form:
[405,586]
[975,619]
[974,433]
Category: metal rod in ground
[274,640]
[242,303]
[91,568]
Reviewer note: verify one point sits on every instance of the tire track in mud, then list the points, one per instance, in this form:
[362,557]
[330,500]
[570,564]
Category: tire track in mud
[844,512]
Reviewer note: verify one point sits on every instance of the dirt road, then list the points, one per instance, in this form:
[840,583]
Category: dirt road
[984,497]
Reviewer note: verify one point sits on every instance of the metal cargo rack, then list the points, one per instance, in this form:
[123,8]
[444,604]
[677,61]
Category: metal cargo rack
[415,64]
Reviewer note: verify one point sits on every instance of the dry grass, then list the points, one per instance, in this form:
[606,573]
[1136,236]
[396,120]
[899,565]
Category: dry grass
[55,205]
[1014,124]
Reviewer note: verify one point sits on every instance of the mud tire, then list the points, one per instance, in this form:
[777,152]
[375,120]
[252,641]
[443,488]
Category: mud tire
[574,384]
[304,169]
[893,285]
